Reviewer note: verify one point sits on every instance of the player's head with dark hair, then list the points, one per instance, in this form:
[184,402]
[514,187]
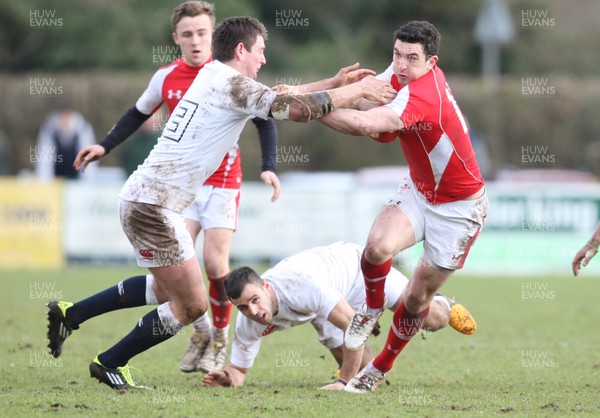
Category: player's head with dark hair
[415,50]
[252,296]
[420,32]
[193,9]
[235,30]
[238,279]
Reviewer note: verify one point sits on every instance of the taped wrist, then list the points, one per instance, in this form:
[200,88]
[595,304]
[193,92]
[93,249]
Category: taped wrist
[307,106]
[324,101]
[128,124]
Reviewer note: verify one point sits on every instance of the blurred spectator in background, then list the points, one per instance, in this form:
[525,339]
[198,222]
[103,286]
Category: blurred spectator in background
[5,155]
[134,152]
[61,136]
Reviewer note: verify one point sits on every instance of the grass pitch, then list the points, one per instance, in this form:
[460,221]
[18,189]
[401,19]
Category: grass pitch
[535,353]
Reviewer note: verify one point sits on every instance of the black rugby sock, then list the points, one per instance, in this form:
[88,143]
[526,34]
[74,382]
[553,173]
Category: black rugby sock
[127,294]
[148,332]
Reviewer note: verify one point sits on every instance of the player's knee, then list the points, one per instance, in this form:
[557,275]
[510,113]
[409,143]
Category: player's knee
[377,251]
[216,271]
[216,263]
[194,311]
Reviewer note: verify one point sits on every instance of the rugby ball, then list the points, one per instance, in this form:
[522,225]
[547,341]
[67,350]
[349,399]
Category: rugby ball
[384,137]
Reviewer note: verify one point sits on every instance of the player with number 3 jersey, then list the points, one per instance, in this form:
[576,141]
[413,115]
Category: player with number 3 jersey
[215,210]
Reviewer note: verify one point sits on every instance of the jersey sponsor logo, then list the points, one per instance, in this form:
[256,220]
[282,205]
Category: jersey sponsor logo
[174,94]
[270,329]
[147,253]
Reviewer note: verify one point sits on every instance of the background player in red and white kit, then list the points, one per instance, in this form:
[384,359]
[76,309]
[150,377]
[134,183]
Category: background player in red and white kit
[215,210]
[442,203]
[323,286]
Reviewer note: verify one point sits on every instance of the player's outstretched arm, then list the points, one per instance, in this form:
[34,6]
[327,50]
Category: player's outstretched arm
[126,125]
[270,178]
[587,252]
[269,138]
[363,123]
[305,107]
[88,154]
[344,76]
[341,316]
[230,376]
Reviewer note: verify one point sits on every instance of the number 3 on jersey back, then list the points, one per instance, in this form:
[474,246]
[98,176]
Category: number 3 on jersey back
[179,120]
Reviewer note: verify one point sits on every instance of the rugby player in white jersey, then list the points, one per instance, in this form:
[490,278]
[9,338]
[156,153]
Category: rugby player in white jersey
[215,210]
[323,286]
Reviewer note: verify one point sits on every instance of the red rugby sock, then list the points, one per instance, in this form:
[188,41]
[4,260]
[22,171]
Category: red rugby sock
[375,275]
[404,326]
[219,302]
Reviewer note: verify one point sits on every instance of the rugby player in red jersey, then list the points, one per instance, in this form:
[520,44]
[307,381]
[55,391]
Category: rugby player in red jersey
[442,203]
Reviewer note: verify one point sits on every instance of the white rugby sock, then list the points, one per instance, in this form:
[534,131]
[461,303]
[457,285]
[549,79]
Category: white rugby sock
[203,324]
[220,333]
[443,299]
[151,298]
[168,320]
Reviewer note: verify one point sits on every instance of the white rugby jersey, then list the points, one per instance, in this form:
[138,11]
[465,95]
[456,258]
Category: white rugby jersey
[205,124]
[307,285]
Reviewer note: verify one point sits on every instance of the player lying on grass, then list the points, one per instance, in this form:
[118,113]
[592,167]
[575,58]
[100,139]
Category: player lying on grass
[323,286]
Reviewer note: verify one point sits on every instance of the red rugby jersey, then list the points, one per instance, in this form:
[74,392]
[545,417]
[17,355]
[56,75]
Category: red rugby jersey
[435,139]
